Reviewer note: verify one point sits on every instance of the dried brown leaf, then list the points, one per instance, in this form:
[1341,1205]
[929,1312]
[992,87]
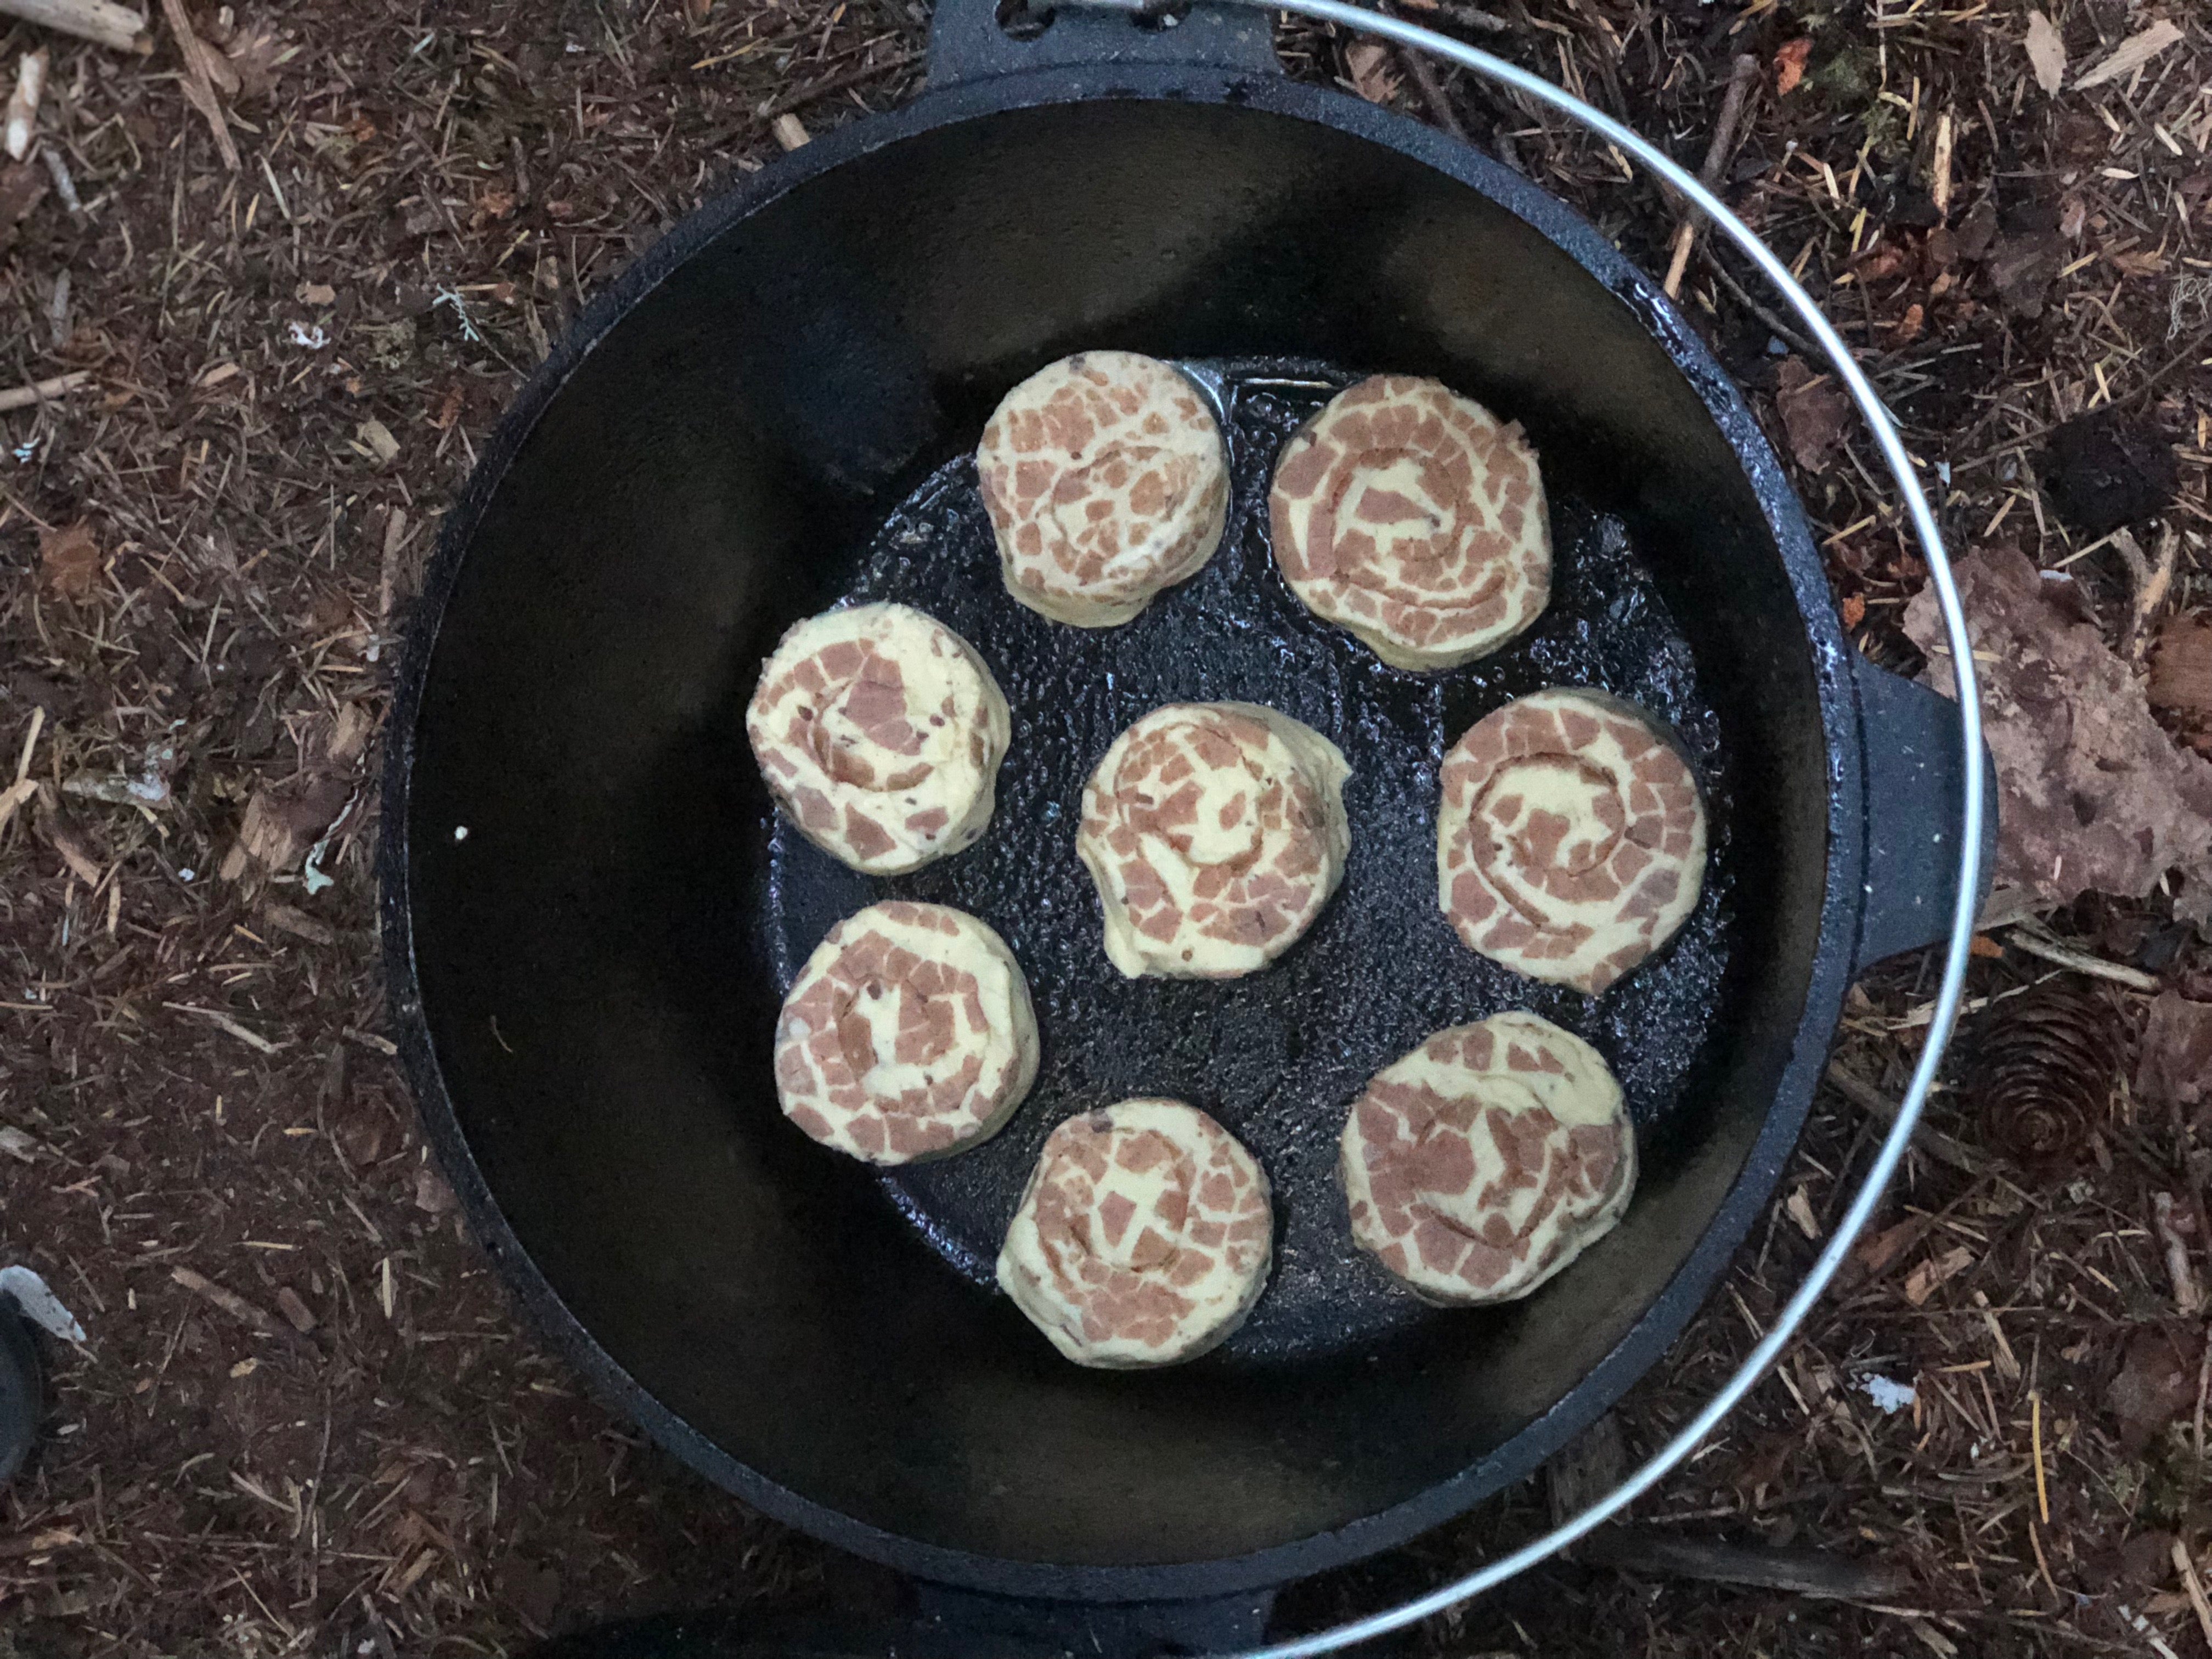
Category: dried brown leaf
[2173,1066]
[1789,65]
[2130,55]
[2046,53]
[1920,1284]
[1814,411]
[2093,795]
[1372,73]
[2181,667]
[256,54]
[2156,1382]
[2023,265]
[69,562]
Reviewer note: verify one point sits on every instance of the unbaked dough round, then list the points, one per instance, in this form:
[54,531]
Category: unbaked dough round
[1142,1238]
[1215,832]
[1487,1160]
[880,732]
[1415,518]
[1106,481]
[908,1034]
[1570,844]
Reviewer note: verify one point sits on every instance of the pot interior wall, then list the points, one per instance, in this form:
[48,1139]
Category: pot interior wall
[589,956]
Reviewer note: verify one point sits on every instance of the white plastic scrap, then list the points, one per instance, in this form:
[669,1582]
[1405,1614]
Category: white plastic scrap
[39,1305]
[1890,1397]
[313,339]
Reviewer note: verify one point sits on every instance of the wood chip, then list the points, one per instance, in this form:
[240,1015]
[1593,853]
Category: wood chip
[229,1301]
[790,131]
[2046,53]
[1920,1284]
[69,562]
[2131,55]
[296,1311]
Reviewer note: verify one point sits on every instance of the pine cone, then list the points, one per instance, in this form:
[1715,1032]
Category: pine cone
[2041,1073]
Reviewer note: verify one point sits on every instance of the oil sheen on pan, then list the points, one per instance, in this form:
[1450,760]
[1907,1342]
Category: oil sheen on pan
[1277,1056]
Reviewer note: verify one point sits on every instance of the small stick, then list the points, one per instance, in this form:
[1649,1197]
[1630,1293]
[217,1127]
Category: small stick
[1467,18]
[2096,966]
[2153,580]
[98,21]
[1417,66]
[199,80]
[1741,78]
[2035,1439]
[2190,1581]
[1808,1572]
[31,396]
[2188,1296]
[1939,184]
[229,1301]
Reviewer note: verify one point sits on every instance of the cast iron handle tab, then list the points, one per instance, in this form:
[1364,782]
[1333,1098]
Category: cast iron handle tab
[967,42]
[1915,800]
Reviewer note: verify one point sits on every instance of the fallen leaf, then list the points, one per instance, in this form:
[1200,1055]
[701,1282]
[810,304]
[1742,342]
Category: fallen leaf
[431,1195]
[1920,1284]
[316,294]
[2046,53]
[255,55]
[1814,411]
[1373,77]
[22,188]
[1789,65]
[2154,1385]
[1854,610]
[69,562]
[2130,55]
[2024,264]
[2094,796]
[2173,1064]
[2181,667]
[2073,216]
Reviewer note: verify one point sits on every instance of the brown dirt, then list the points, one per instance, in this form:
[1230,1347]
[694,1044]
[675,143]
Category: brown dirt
[197,1057]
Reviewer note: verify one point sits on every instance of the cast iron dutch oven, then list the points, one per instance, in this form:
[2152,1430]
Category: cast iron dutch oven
[589,915]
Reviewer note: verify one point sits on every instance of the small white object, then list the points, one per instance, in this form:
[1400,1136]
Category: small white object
[313,339]
[184,874]
[39,1304]
[1889,1397]
[22,120]
[460,832]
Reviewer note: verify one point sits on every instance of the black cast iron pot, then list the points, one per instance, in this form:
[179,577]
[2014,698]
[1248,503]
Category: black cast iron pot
[586,979]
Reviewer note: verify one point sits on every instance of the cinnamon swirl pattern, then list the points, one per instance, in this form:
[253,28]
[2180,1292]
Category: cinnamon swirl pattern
[880,732]
[1106,481]
[1571,841]
[1487,1160]
[1142,1238]
[1415,518]
[1214,832]
[907,1035]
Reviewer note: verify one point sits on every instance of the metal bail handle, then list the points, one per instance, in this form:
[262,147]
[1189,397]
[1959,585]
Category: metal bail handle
[1974,805]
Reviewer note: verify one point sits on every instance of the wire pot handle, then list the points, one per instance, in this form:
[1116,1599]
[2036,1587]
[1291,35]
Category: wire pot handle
[1957,949]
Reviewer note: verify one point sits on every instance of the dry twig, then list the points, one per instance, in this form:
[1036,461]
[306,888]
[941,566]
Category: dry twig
[31,396]
[201,74]
[1741,79]
[98,21]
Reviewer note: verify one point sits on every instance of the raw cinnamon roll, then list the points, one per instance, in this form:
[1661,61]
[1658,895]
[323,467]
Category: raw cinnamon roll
[1142,1238]
[1487,1160]
[880,732]
[1415,518]
[1571,841]
[908,1034]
